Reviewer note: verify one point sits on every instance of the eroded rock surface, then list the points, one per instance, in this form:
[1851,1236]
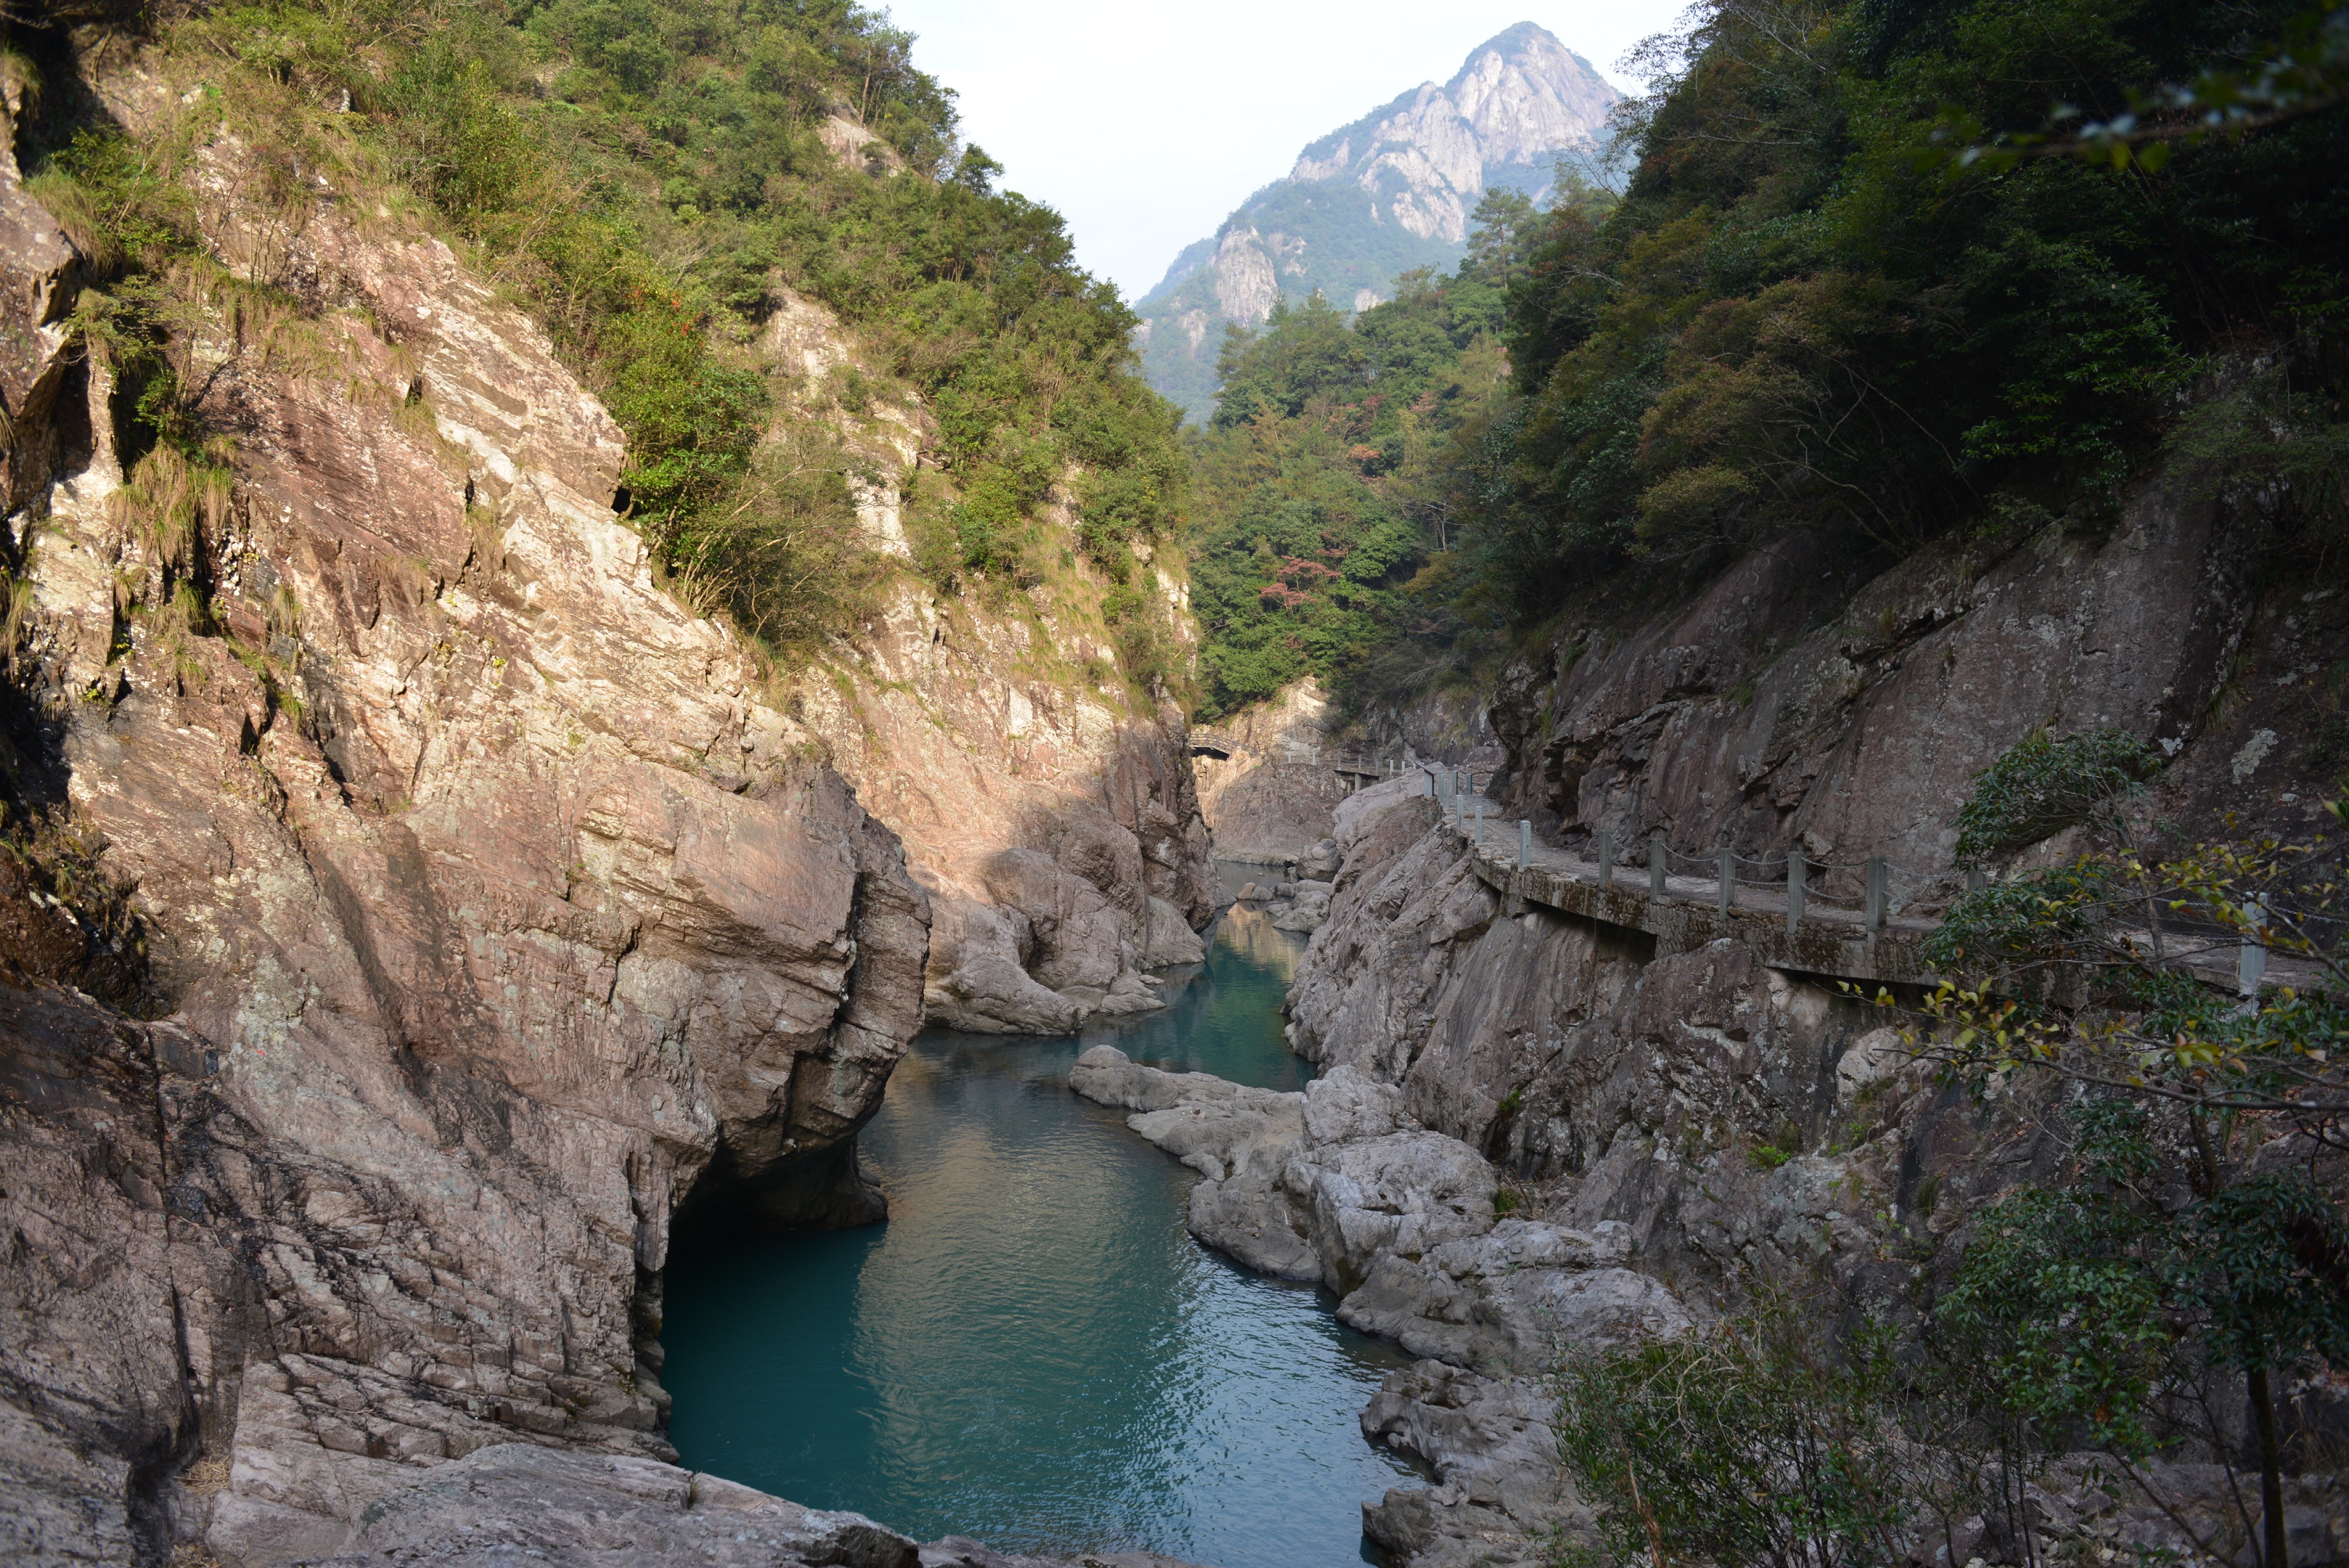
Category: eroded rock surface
[1053,821]
[1500,1494]
[498,921]
[1811,694]
[1316,1184]
[1510,1299]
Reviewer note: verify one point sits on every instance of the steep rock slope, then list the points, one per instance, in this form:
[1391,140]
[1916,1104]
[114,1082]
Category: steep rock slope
[1264,798]
[496,915]
[1730,1116]
[1050,813]
[1800,698]
[1669,1129]
[1392,192]
[1803,696]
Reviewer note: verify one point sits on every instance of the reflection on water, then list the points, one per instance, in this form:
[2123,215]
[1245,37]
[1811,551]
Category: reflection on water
[1032,1351]
[1250,933]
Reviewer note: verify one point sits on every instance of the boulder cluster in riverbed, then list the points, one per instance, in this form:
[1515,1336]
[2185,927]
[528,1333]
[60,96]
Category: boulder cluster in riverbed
[1336,1184]
[1299,902]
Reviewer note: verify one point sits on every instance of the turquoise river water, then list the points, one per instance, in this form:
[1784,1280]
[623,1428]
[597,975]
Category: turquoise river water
[1032,1351]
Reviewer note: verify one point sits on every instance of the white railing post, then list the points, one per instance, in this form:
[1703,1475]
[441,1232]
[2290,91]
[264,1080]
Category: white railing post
[1876,892]
[1728,883]
[1659,865]
[1525,843]
[2251,963]
[1794,890]
[1604,853]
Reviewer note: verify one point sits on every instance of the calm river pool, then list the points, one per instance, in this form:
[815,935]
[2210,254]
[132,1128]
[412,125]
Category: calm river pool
[1032,1351]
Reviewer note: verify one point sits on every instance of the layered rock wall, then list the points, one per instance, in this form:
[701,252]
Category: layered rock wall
[492,914]
[1811,696]
[1713,1121]
[500,921]
[1050,813]
[1264,798]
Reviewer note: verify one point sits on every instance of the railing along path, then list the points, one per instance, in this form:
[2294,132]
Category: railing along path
[1686,901]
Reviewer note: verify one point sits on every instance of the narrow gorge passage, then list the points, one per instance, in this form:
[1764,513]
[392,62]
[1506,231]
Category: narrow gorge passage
[1031,1351]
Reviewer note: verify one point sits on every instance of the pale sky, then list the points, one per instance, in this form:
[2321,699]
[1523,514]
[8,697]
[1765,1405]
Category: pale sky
[1146,124]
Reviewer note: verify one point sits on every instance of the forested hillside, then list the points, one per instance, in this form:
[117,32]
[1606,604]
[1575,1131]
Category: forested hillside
[646,177]
[1890,271]
[1321,481]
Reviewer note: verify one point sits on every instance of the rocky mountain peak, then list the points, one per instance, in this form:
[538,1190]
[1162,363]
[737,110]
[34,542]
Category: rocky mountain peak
[1519,100]
[1390,191]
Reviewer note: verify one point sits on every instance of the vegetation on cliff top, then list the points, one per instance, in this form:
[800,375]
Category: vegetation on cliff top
[1806,311]
[645,177]
[1321,483]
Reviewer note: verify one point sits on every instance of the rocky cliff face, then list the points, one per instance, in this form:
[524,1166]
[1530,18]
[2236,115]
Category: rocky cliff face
[1801,695]
[1264,798]
[1519,100]
[1392,192]
[1728,1116]
[1802,698]
[496,922]
[1049,813]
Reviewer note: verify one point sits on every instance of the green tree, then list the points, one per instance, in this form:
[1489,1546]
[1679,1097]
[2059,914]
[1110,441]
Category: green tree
[2258,1087]
[1800,316]
[1502,225]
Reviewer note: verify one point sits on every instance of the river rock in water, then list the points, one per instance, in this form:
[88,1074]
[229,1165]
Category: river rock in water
[1303,1186]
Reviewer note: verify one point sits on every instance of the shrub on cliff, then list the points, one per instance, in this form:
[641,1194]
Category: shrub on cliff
[2248,1275]
[2041,785]
[2087,1316]
[645,177]
[1806,312]
[1753,1440]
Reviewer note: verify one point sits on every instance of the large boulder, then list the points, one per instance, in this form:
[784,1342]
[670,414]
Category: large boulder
[1078,937]
[1516,1298]
[1171,940]
[1312,1185]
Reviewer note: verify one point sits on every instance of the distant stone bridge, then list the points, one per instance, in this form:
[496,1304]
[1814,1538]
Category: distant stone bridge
[1208,740]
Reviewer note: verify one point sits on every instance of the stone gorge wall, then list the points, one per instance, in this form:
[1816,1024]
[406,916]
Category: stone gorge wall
[1262,806]
[1802,697]
[1727,1117]
[1052,816]
[502,921]
[1056,828]
[1796,698]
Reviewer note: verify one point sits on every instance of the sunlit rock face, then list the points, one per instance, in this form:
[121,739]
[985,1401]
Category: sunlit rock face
[492,913]
[1047,806]
[1392,192]
[1424,158]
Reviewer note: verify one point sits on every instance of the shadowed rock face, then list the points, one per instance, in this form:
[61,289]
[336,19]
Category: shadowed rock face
[495,916]
[1810,696]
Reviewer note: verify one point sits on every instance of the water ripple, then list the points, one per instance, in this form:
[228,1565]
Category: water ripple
[1031,1351]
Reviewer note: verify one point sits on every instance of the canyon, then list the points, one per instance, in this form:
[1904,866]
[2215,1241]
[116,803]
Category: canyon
[498,918]
[422,924]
